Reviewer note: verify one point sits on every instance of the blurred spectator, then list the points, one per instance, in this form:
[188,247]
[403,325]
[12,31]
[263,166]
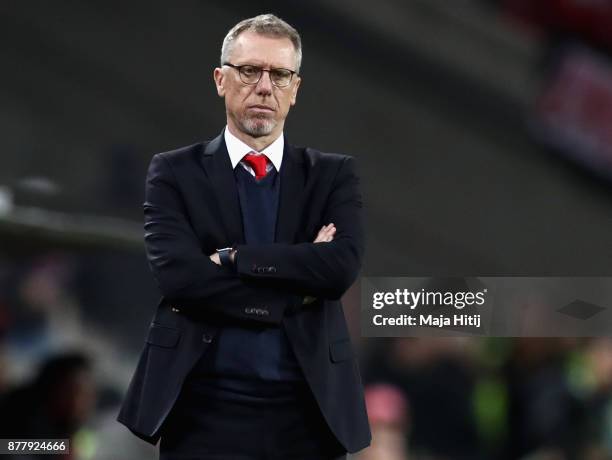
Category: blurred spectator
[55,404]
[543,412]
[597,394]
[40,304]
[436,376]
[388,416]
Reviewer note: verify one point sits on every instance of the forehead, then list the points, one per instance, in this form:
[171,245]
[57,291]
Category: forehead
[253,48]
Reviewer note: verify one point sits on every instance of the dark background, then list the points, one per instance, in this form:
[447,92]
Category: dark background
[465,172]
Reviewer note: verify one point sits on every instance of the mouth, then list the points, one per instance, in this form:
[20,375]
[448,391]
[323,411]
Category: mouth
[261,108]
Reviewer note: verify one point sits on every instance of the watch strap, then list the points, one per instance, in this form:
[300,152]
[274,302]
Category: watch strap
[224,256]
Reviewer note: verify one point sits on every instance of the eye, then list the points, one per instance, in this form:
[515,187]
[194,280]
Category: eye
[249,70]
[281,74]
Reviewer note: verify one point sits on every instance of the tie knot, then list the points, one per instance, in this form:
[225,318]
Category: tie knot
[258,163]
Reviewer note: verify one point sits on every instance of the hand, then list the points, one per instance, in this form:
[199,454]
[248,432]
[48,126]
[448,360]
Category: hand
[326,234]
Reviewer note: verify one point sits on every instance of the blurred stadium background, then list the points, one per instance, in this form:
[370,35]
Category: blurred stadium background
[483,132]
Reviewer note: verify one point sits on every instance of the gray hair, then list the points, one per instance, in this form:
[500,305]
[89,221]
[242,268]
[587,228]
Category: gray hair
[264,24]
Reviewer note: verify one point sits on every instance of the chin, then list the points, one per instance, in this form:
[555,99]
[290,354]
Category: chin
[258,127]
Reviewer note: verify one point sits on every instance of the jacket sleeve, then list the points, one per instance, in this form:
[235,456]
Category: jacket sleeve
[185,275]
[323,270]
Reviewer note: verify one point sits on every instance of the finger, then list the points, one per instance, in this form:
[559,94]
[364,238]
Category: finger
[326,232]
[320,237]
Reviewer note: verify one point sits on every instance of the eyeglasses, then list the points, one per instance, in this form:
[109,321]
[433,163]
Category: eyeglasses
[251,74]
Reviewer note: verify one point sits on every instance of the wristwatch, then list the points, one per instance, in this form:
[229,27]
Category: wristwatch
[224,256]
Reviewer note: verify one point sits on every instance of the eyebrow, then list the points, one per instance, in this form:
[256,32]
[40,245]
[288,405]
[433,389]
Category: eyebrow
[261,65]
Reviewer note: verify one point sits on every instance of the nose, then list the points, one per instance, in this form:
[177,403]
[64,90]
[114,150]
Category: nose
[264,85]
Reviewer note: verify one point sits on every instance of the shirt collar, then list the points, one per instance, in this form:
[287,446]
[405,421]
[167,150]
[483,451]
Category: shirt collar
[238,149]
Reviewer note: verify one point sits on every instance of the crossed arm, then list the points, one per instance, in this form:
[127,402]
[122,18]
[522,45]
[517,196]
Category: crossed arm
[188,277]
[325,235]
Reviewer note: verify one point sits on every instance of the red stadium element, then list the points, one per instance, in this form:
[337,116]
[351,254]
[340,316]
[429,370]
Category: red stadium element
[590,20]
[574,112]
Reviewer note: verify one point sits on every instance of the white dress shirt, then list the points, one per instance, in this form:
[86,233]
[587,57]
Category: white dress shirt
[238,149]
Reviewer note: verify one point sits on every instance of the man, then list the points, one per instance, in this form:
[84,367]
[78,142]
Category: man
[252,242]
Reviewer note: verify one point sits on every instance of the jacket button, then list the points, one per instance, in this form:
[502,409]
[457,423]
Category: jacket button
[272,269]
[206,338]
[175,310]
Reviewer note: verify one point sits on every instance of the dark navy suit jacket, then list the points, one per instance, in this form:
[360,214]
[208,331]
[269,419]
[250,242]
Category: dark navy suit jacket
[191,208]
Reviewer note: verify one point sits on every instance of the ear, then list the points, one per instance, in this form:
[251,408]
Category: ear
[295,90]
[219,78]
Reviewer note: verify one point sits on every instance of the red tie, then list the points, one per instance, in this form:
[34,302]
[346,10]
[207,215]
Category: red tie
[258,163]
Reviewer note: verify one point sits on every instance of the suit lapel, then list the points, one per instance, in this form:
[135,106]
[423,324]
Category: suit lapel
[218,167]
[291,194]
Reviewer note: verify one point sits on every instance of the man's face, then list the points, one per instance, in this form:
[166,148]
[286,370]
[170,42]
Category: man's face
[259,109]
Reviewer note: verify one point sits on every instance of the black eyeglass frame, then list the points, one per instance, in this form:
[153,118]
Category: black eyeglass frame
[262,70]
